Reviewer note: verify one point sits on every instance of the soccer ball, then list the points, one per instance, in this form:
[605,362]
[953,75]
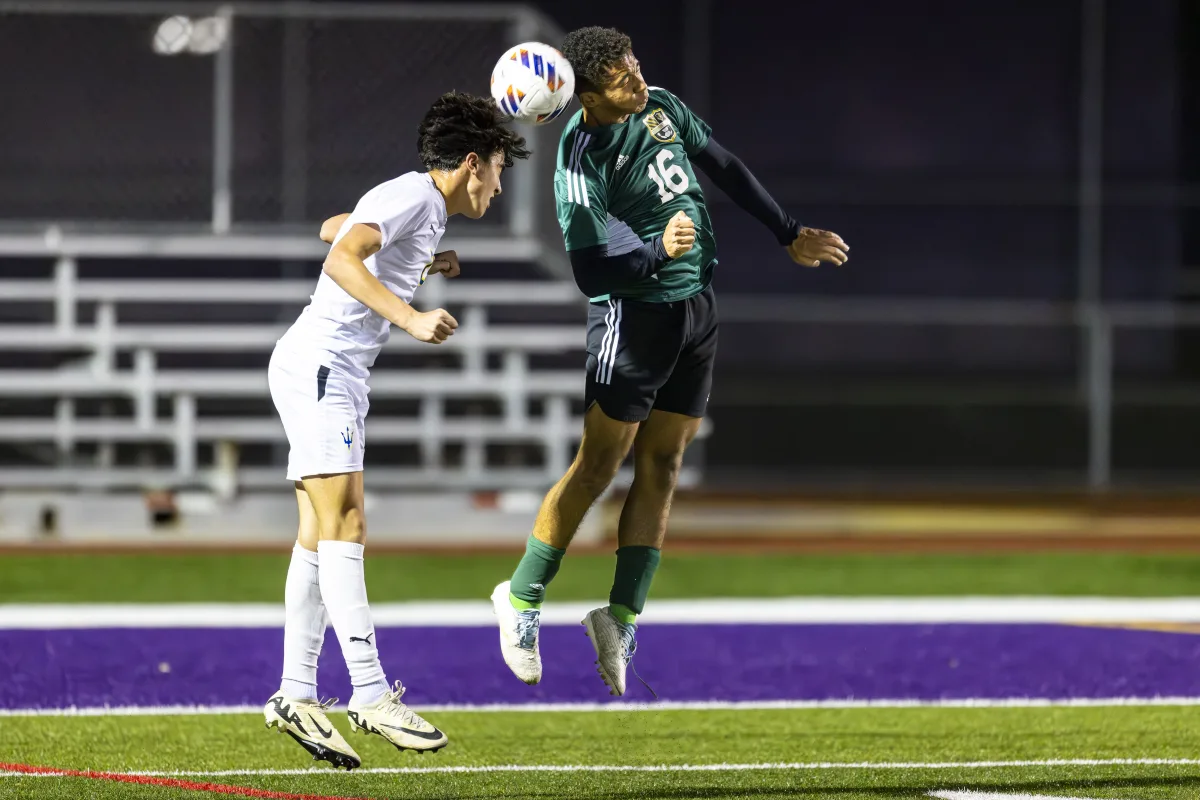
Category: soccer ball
[533,83]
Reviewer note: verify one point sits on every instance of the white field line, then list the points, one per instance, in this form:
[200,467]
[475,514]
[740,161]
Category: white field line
[723,767]
[711,611]
[665,705]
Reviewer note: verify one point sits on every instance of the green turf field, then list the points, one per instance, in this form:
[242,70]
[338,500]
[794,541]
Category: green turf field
[392,577]
[813,742]
[848,754]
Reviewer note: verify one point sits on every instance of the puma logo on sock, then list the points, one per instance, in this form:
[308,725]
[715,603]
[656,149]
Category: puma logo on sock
[367,640]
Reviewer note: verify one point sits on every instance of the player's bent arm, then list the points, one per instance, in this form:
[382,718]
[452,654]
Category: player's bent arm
[736,180]
[597,273]
[331,226]
[345,266]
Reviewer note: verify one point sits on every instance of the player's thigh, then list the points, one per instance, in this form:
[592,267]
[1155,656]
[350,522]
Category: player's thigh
[663,437]
[605,443]
[687,390]
[337,502]
[323,411]
[632,349]
[309,531]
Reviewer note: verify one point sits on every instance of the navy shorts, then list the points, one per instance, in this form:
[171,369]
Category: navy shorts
[643,356]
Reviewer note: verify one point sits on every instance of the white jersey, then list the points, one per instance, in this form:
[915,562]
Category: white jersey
[411,215]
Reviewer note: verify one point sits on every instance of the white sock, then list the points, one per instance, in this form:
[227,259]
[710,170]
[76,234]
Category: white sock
[344,590]
[303,626]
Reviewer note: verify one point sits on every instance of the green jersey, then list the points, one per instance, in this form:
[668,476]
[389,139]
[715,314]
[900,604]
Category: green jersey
[620,185]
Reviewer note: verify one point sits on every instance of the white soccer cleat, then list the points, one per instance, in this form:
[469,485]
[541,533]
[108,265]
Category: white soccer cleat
[614,645]
[396,722]
[306,723]
[518,636]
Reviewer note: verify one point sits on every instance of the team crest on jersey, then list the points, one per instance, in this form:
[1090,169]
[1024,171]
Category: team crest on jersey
[661,128]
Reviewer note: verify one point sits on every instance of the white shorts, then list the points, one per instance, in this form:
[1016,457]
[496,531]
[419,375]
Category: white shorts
[323,411]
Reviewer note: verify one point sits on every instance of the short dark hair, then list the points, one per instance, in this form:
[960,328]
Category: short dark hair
[594,52]
[458,124]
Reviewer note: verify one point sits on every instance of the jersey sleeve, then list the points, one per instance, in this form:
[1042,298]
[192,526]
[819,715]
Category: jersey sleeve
[693,131]
[581,198]
[397,213]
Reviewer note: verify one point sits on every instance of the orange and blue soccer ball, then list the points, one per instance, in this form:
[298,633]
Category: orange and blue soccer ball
[533,83]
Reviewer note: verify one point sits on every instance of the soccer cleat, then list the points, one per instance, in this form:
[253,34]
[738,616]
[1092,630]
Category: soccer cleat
[396,722]
[518,636]
[306,723]
[614,645]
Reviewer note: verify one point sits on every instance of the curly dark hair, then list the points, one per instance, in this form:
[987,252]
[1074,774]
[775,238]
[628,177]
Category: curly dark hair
[458,124]
[593,53]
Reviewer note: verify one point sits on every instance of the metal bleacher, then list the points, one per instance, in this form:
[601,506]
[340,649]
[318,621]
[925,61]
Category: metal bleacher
[146,275]
[107,359]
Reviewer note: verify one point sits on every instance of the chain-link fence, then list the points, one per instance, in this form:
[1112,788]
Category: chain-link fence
[98,126]
[239,114]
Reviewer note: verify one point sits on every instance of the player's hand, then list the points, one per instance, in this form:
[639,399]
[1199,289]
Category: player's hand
[680,235]
[813,246]
[433,327]
[445,263]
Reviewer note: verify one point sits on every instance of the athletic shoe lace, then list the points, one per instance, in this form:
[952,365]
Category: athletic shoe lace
[397,708]
[628,648]
[528,622]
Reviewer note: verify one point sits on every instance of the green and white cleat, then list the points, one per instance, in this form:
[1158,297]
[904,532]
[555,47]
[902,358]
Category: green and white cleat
[396,722]
[305,721]
[614,645]
[518,636]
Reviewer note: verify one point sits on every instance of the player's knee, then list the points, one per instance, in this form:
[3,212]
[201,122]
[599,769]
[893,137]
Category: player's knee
[661,465]
[597,465]
[605,444]
[347,526]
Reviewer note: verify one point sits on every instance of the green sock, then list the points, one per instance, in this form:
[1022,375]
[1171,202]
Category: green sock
[623,613]
[521,605]
[636,566]
[538,567]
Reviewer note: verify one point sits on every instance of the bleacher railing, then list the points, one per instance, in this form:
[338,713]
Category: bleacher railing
[494,360]
[105,343]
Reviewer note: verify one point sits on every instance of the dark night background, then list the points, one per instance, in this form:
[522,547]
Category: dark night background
[941,139]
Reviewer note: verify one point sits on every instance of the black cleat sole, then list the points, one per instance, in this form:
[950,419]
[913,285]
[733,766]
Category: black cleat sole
[320,752]
[419,750]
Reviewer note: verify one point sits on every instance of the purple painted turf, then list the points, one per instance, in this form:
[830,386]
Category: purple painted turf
[683,662]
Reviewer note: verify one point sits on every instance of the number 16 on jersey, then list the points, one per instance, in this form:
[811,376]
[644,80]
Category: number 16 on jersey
[670,179]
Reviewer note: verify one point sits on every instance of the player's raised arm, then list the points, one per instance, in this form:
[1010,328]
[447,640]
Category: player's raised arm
[345,266]
[331,226]
[806,246]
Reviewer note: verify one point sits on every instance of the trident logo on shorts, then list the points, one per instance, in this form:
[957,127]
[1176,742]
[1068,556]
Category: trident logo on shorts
[348,437]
